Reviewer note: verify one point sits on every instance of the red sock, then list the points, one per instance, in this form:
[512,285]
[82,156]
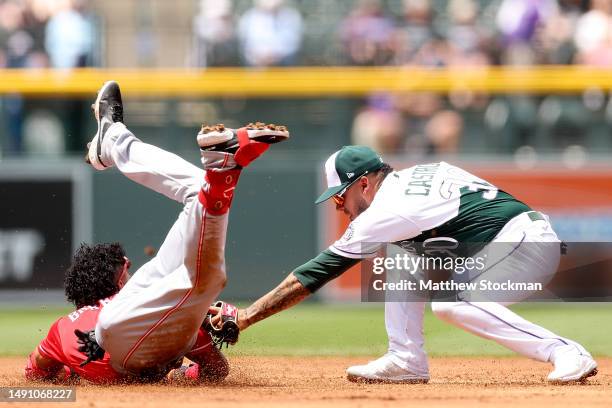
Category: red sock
[216,196]
[249,150]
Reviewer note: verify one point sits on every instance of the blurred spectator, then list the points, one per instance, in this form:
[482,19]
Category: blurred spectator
[593,37]
[69,41]
[415,30]
[437,52]
[443,133]
[517,20]
[69,36]
[215,37]
[379,125]
[17,50]
[413,123]
[366,34]
[462,31]
[555,39]
[426,122]
[39,33]
[270,34]
[17,42]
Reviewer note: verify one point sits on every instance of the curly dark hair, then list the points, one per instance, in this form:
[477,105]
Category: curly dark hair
[93,273]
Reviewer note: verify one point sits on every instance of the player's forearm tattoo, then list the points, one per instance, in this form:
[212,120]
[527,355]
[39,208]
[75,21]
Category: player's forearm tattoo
[289,293]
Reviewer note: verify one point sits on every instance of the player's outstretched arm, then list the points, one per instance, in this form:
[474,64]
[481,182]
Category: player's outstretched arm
[45,362]
[288,293]
[296,287]
[41,368]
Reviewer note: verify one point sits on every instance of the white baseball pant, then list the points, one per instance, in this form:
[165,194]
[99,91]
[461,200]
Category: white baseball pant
[154,319]
[487,319]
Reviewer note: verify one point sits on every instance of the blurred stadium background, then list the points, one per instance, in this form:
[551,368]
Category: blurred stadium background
[516,90]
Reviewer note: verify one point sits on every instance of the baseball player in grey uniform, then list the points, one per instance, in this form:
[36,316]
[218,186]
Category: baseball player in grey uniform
[416,204]
[154,319]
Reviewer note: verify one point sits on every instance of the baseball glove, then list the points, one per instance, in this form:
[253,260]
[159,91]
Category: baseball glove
[89,346]
[226,331]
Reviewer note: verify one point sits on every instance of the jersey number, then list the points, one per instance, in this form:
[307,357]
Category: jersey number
[449,186]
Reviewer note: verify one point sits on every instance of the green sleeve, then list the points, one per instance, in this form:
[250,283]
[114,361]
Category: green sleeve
[320,270]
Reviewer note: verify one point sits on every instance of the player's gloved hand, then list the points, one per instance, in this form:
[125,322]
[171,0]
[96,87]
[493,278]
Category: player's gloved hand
[241,319]
[221,323]
[89,346]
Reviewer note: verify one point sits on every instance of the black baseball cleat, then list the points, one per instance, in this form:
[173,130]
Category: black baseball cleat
[218,138]
[108,109]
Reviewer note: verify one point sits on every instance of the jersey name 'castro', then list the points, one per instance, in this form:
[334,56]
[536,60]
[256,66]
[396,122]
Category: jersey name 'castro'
[427,201]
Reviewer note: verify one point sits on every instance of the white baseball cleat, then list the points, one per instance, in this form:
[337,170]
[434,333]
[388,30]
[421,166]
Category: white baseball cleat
[383,370]
[108,109]
[222,147]
[220,138]
[571,366]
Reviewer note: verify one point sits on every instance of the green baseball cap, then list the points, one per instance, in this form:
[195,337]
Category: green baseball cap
[346,166]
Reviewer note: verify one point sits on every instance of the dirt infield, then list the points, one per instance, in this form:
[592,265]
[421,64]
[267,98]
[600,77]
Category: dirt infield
[320,381]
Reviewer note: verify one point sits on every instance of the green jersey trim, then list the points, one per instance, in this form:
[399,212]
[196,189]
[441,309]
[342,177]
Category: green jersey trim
[323,268]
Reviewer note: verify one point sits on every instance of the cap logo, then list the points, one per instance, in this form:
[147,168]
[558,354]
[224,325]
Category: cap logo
[349,175]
